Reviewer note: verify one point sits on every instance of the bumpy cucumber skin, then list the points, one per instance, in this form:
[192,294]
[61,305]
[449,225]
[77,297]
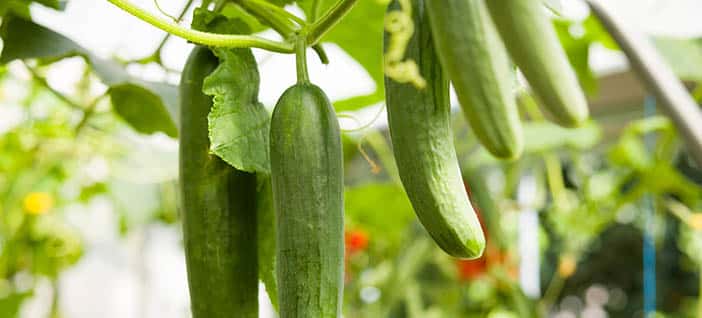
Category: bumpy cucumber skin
[219,210]
[307,176]
[533,44]
[422,142]
[472,53]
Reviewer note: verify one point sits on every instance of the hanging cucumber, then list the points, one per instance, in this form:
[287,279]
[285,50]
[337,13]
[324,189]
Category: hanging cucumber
[422,141]
[307,177]
[533,44]
[219,210]
[473,56]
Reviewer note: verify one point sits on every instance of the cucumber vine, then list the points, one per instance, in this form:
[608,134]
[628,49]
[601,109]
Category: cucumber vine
[288,25]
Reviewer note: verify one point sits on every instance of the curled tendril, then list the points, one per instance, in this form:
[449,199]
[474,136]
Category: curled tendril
[158,7]
[400,27]
[361,126]
[375,167]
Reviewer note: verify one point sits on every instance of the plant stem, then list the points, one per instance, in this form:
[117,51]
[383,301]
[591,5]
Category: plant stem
[43,82]
[552,292]
[551,161]
[158,7]
[279,23]
[219,5]
[276,11]
[88,112]
[316,5]
[529,106]
[699,296]
[260,9]
[301,60]
[384,152]
[156,55]
[329,20]
[55,298]
[168,35]
[555,179]
[203,38]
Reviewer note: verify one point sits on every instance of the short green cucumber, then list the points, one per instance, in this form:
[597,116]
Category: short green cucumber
[422,141]
[219,209]
[534,46]
[473,56]
[308,188]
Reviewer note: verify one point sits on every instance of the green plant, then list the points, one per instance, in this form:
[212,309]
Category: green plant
[269,201]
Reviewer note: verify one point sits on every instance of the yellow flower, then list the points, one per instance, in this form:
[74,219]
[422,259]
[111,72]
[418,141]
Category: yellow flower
[567,266]
[37,203]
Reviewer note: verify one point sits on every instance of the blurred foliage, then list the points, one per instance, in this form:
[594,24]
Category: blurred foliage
[56,159]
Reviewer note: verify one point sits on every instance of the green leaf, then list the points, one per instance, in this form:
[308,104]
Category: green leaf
[541,137]
[265,237]
[24,39]
[577,46]
[631,152]
[357,102]
[21,7]
[683,55]
[383,210]
[18,7]
[545,136]
[91,191]
[142,109]
[578,51]
[233,20]
[238,123]
[11,303]
[54,4]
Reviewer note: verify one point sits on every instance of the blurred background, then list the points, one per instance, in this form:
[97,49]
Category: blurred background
[599,221]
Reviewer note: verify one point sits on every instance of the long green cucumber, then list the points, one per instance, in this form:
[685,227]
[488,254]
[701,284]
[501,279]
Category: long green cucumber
[422,141]
[533,44]
[307,177]
[219,209]
[472,53]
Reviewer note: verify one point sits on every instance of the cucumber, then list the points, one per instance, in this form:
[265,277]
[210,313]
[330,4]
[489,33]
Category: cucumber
[473,56]
[219,209]
[307,177]
[534,46]
[422,141]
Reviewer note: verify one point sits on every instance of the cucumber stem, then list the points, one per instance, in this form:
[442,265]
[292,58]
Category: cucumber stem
[301,60]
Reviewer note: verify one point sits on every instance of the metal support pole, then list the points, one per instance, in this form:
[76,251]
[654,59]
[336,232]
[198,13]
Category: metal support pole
[660,80]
